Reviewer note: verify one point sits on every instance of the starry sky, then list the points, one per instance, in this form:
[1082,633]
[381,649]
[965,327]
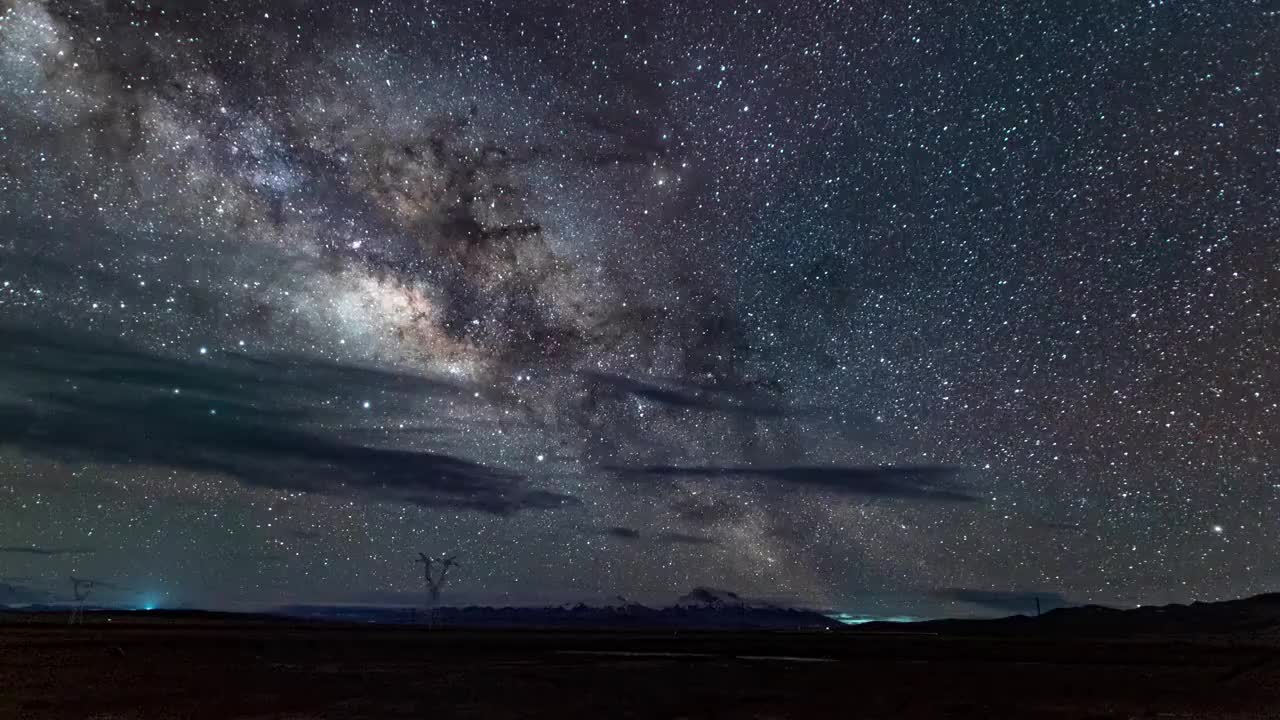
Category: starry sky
[888,308]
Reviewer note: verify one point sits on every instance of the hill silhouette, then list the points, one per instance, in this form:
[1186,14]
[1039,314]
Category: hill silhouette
[701,608]
[1258,615]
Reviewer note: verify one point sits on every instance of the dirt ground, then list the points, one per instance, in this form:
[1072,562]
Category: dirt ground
[225,670]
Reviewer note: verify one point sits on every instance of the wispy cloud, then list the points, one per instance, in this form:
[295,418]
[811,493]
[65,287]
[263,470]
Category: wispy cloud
[680,538]
[44,551]
[926,482]
[261,421]
[708,511]
[736,400]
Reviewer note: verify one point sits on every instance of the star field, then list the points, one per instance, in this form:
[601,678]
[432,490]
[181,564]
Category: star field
[878,309]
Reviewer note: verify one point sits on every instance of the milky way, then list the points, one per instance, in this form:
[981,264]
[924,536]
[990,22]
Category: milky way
[883,310]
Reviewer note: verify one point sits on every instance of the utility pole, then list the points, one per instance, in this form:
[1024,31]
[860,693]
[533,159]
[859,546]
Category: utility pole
[435,580]
[80,590]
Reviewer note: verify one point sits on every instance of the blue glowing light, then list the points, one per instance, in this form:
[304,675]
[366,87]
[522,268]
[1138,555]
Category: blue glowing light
[851,619]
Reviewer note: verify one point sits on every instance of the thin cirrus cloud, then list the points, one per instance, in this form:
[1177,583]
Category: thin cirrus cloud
[43,551]
[680,538]
[77,398]
[730,400]
[706,512]
[667,537]
[916,482]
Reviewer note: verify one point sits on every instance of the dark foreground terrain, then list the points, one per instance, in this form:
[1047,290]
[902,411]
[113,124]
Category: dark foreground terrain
[224,669]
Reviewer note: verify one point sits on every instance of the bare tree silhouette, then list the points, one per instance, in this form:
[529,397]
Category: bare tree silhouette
[435,580]
[80,589]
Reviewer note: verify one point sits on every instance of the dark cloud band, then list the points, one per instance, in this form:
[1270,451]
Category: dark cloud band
[260,421]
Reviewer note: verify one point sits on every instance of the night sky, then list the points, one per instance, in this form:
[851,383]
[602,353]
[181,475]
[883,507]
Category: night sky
[888,308]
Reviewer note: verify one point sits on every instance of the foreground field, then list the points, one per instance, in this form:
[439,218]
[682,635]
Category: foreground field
[225,670]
